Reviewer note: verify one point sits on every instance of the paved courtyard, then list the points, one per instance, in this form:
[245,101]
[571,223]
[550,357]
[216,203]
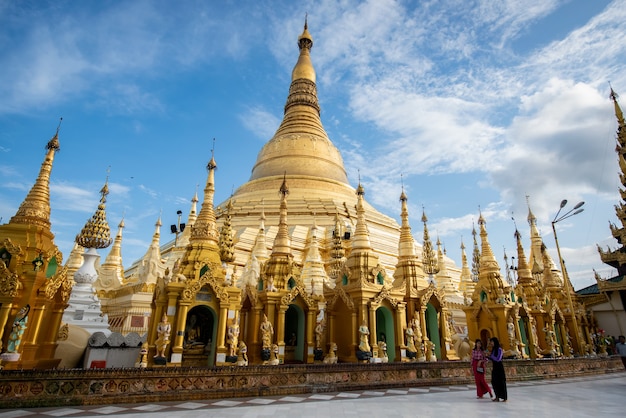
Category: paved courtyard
[572,397]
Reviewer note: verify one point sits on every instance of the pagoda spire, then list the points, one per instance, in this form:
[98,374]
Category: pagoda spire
[111,273]
[260,247]
[466,284]
[226,244]
[313,272]
[408,268]
[524,275]
[361,239]
[35,209]
[152,265]
[337,252]
[205,229]
[429,259]
[535,257]
[617,257]
[301,133]
[489,276]
[475,257]
[406,246]
[282,242]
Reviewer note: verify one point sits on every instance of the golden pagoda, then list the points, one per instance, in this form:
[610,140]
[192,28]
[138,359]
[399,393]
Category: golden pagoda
[296,265]
[34,285]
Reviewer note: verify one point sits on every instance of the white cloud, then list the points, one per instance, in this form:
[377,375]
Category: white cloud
[260,122]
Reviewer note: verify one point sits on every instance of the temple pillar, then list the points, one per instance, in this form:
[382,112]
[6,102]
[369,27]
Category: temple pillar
[179,336]
[399,325]
[5,309]
[372,327]
[310,339]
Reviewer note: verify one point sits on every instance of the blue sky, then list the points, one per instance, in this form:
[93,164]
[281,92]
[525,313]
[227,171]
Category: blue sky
[472,103]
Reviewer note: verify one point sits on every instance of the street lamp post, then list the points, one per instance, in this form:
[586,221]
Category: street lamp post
[178,228]
[568,285]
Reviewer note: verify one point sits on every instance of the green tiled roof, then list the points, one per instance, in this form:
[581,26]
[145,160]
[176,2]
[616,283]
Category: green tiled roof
[593,289]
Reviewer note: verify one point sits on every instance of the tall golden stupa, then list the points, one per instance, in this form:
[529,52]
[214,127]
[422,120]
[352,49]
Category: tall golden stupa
[298,253]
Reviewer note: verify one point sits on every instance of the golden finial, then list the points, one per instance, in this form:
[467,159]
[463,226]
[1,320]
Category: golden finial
[54,142]
[212,165]
[614,96]
[305,40]
[403,197]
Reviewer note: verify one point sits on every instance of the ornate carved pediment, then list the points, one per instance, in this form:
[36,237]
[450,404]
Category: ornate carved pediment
[384,295]
[14,250]
[59,282]
[192,287]
[251,293]
[9,282]
[485,308]
[426,294]
[297,290]
[339,292]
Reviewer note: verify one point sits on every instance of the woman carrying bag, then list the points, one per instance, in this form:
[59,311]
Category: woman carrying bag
[479,360]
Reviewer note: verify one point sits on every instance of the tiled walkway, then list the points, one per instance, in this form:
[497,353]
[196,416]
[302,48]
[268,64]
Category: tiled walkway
[573,397]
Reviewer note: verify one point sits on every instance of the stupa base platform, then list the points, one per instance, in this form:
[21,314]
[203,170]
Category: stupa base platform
[40,388]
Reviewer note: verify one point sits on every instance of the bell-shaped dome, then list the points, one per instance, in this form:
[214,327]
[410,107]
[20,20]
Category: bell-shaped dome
[300,146]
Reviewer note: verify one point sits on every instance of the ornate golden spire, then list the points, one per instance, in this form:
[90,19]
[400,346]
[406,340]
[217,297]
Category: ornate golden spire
[111,273]
[489,268]
[96,232]
[475,257]
[524,275]
[617,258]
[337,252]
[282,242]
[35,209]
[116,250]
[535,257]
[406,245]
[227,247]
[300,145]
[361,239]
[466,284]
[304,68]
[428,253]
[260,247]
[205,228]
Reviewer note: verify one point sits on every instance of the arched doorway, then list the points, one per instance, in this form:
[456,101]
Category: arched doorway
[432,328]
[384,331]
[485,336]
[199,342]
[294,334]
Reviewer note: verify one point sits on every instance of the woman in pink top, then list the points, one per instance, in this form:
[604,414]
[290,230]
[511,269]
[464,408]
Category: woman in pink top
[479,360]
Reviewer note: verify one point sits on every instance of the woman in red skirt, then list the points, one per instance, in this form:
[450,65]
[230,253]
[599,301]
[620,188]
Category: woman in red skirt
[479,360]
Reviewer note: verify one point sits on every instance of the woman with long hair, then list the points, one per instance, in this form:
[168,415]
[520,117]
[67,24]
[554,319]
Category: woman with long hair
[479,361]
[498,378]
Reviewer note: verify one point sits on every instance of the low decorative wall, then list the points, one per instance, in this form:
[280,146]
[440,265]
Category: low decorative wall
[37,388]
